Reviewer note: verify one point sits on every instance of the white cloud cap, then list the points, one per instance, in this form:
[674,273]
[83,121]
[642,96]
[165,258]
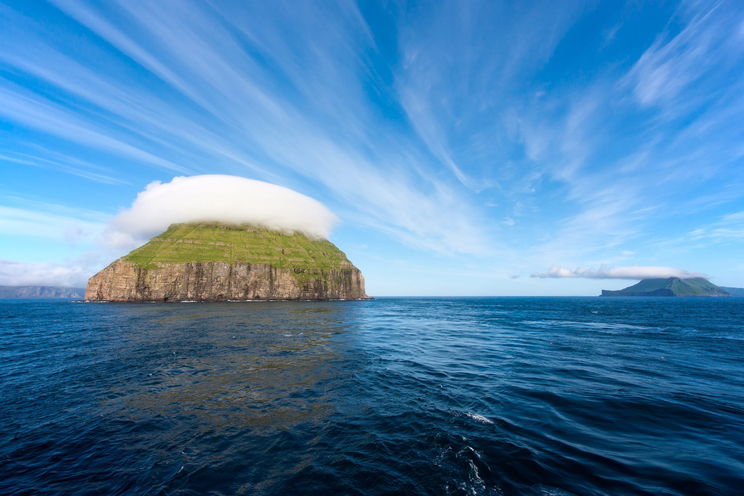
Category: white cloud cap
[222,198]
[632,272]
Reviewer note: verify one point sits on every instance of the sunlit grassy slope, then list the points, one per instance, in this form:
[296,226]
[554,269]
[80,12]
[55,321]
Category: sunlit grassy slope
[212,242]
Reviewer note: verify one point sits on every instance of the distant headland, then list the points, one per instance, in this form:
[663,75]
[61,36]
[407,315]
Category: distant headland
[675,286]
[212,261]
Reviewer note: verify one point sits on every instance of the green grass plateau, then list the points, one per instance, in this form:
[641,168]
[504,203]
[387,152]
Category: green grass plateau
[238,244]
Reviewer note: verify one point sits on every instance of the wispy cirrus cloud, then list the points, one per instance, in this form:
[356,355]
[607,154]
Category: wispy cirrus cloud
[49,221]
[682,93]
[729,228]
[42,158]
[306,125]
[457,75]
[676,61]
[524,133]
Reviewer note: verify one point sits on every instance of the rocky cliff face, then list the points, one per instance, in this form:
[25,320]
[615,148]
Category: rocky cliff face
[219,281]
[214,262]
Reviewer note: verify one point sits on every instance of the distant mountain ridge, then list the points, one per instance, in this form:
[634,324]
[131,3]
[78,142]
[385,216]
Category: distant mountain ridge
[672,286]
[40,292]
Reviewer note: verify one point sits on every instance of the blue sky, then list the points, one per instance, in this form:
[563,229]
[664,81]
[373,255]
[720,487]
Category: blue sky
[465,146]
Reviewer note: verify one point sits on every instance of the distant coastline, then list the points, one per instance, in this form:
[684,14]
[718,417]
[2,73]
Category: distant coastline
[7,292]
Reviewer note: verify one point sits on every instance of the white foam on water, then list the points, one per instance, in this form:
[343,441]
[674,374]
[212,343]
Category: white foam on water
[590,325]
[478,418]
[554,491]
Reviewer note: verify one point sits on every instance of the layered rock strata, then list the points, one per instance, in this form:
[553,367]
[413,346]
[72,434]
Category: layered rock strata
[220,281]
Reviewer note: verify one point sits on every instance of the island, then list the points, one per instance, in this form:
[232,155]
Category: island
[672,286]
[212,261]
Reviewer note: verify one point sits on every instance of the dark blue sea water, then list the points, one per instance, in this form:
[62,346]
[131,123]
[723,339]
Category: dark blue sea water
[543,396]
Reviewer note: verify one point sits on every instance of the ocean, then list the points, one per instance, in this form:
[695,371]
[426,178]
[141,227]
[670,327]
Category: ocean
[416,396]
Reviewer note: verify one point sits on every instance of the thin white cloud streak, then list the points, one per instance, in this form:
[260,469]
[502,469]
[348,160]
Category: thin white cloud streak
[618,195]
[674,63]
[564,141]
[630,272]
[214,197]
[129,105]
[42,223]
[13,273]
[729,228]
[49,159]
[55,120]
[458,73]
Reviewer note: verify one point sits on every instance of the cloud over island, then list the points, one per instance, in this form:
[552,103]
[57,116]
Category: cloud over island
[630,272]
[216,197]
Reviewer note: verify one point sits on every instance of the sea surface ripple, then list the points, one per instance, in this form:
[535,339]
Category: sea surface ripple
[450,396]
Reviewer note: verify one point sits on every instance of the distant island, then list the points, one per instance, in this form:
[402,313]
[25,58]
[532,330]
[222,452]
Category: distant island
[40,292]
[222,262]
[675,286]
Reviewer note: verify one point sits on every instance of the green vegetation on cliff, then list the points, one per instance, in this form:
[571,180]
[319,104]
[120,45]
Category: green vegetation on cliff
[672,286]
[244,244]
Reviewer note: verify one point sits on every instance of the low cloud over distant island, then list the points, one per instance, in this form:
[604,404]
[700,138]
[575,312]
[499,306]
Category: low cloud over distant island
[630,272]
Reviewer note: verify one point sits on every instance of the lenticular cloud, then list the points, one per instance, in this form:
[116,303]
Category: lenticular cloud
[221,198]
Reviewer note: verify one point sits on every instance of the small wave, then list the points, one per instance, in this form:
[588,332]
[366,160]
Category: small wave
[478,418]
[554,491]
[590,325]
[151,390]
